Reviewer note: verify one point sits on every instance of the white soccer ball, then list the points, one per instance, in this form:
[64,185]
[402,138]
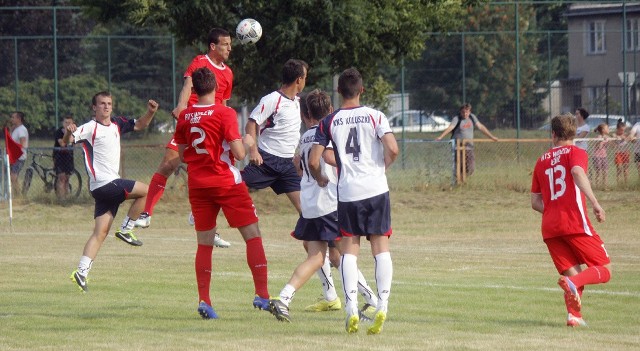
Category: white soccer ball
[249,31]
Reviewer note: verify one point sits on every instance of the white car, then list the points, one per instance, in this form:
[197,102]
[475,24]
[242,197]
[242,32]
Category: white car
[417,121]
[596,119]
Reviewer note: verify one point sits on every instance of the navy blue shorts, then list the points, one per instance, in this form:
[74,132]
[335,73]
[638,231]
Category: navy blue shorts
[324,228]
[365,217]
[276,172]
[109,196]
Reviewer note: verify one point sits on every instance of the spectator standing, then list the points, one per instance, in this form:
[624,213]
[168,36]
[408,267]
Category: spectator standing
[622,155]
[600,158]
[583,128]
[634,137]
[63,158]
[20,135]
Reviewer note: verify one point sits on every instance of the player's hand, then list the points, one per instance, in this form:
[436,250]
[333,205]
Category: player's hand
[255,157]
[322,180]
[438,138]
[599,212]
[152,106]
[72,128]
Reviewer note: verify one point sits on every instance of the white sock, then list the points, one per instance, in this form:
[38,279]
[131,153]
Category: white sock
[366,291]
[286,294]
[127,224]
[349,273]
[384,276]
[84,266]
[326,278]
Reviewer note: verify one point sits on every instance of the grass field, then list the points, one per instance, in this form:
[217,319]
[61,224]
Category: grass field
[470,273]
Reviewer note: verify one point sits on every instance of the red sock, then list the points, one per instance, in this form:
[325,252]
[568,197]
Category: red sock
[591,275]
[257,262]
[156,189]
[203,272]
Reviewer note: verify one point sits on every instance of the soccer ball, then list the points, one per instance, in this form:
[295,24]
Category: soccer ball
[249,31]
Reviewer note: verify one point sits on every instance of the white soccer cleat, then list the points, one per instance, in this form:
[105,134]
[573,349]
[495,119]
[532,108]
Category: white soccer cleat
[144,221]
[191,220]
[219,242]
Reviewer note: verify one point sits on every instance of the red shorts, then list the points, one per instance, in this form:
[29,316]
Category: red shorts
[234,200]
[622,157]
[570,250]
[172,145]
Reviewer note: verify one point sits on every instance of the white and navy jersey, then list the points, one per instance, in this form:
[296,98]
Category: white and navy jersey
[355,134]
[101,147]
[278,119]
[315,200]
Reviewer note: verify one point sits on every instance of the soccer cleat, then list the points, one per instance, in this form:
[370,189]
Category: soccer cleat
[206,311]
[128,237]
[80,280]
[573,298]
[573,321]
[323,305]
[191,220]
[144,221]
[366,308]
[351,324]
[261,303]
[219,242]
[280,310]
[378,321]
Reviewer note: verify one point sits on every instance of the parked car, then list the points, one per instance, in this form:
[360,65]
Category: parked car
[417,121]
[596,119]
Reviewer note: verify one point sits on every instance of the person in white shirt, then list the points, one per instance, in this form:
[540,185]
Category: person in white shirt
[100,139]
[20,135]
[634,137]
[364,147]
[583,128]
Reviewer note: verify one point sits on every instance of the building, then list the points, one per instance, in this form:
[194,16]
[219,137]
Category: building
[604,45]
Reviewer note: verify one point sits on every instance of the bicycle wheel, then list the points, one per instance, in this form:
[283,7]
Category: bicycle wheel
[75,183]
[26,183]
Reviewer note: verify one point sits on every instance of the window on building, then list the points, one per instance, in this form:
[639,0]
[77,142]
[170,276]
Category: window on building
[633,34]
[597,98]
[595,37]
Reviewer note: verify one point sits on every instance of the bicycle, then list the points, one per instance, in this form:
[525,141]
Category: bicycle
[49,176]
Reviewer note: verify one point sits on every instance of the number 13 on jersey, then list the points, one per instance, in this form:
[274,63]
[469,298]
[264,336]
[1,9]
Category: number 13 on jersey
[557,183]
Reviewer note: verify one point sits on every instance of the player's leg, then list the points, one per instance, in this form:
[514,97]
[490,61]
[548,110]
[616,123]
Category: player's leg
[167,166]
[371,299]
[315,258]
[294,197]
[348,269]
[138,192]
[103,220]
[330,300]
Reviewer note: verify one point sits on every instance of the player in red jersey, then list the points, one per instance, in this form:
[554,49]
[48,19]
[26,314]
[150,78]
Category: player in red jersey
[559,190]
[208,141]
[214,60]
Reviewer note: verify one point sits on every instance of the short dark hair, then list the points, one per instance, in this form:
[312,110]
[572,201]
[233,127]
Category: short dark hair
[350,83]
[292,70]
[318,104]
[583,112]
[564,126]
[68,116]
[20,115]
[105,93]
[204,81]
[215,34]
[465,106]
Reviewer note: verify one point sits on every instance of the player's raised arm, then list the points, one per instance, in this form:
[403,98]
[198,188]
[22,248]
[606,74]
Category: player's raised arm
[183,99]
[143,122]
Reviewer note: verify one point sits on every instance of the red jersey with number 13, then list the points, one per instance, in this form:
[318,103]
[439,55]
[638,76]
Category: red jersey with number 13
[207,131]
[565,208]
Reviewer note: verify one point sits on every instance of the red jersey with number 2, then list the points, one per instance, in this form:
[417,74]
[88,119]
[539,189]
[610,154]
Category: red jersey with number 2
[207,131]
[565,208]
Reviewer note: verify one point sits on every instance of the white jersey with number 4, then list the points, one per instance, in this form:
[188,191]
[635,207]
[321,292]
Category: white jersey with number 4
[316,201]
[355,134]
[278,119]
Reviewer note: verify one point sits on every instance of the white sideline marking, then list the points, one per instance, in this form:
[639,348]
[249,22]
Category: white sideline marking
[512,287]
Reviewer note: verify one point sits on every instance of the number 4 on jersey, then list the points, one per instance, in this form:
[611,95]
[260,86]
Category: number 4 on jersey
[353,147]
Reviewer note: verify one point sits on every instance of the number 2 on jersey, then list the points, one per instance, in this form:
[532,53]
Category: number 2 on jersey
[353,147]
[557,184]
[198,141]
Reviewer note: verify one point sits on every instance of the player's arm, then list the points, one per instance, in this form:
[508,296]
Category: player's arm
[314,165]
[240,147]
[143,122]
[181,148]
[183,99]
[297,162]
[582,182]
[68,133]
[329,157]
[390,147]
[252,129]
[536,202]
[486,131]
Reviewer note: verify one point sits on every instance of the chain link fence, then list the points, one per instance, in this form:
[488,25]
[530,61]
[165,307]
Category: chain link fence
[424,165]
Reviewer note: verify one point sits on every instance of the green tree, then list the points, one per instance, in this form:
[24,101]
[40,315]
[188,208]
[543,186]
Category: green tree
[489,66]
[330,35]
